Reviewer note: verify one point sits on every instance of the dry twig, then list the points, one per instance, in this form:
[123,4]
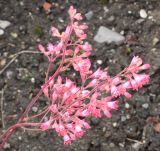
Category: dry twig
[14,58]
[2,99]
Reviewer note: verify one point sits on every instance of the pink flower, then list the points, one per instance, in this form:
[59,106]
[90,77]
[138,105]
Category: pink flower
[55,32]
[61,129]
[53,108]
[78,16]
[72,12]
[127,95]
[67,139]
[93,83]
[51,48]
[74,90]
[45,126]
[43,50]
[95,112]
[78,131]
[144,67]
[45,91]
[85,124]
[141,79]
[85,93]
[112,105]
[68,83]
[136,61]
[83,113]
[86,47]
[68,52]
[115,91]
[127,85]
[116,80]
[68,31]
[107,113]
[82,65]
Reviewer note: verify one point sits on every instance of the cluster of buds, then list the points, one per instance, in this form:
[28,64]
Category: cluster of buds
[70,103]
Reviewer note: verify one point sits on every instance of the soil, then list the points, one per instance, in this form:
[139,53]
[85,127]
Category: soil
[128,129]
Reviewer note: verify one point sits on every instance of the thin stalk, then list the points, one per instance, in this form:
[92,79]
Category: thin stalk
[32,102]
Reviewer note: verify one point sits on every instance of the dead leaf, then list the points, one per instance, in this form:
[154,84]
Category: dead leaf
[155,121]
[47,6]
[157,127]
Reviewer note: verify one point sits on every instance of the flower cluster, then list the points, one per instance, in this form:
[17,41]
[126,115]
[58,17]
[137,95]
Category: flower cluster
[70,103]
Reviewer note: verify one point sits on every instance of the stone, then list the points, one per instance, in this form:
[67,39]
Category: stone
[123,118]
[34,109]
[99,62]
[127,106]
[106,35]
[33,80]
[14,34]
[4,24]
[9,74]
[111,18]
[89,15]
[143,13]
[7,146]
[136,146]
[2,62]
[1,32]
[115,124]
[145,106]
[155,41]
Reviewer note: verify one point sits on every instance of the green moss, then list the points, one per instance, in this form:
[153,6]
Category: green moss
[38,31]
[104,2]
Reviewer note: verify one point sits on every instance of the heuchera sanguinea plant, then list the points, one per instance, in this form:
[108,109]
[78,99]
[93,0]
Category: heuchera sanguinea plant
[70,103]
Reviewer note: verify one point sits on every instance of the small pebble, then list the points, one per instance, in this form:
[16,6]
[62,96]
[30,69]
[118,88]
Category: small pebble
[20,137]
[4,24]
[121,145]
[60,20]
[136,146]
[122,32]
[127,106]
[9,74]
[128,116]
[7,145]
[115,124]
[1,32]
[123,118]
[34,109]
[89,15]
[150,17]
[99,62]
[143,13]
[105,9]
[111,18]
[14,34]
[2,62]
[155,41]
[33,80]
[145,106]
[21,3]
[129,12]
[112,145]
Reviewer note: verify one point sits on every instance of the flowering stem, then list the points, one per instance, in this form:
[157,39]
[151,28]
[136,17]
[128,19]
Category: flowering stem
[32,102]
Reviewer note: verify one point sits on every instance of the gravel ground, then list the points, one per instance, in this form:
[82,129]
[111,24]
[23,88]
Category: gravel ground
[24,24]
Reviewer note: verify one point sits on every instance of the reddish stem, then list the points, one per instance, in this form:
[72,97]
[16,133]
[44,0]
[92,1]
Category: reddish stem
[32,102]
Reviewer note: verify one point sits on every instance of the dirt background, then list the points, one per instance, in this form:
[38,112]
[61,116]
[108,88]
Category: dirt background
[128,129]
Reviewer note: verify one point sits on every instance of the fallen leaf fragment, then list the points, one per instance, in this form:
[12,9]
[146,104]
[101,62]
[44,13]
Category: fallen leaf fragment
[155,121]
[47,6]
